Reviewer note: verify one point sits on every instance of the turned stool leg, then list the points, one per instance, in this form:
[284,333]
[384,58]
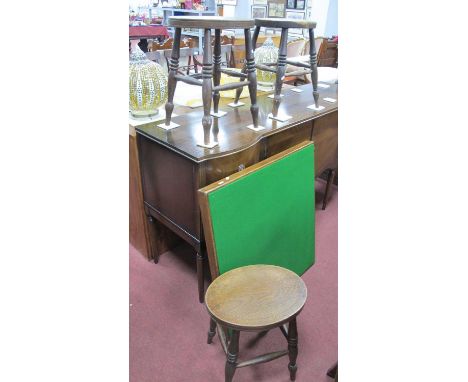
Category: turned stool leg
[232,353]
[252,77]
[313,66]
[330,177]
[244,68]
[292,347]
[280,70]
[201,281]
[207,85]
[172,82]
[217,68]
[211,331]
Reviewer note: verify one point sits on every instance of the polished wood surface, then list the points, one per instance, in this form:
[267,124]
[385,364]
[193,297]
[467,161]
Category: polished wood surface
[214,22]
[256,297]
[230,130]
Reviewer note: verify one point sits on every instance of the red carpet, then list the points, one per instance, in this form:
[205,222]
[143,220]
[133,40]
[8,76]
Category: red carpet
[168,325]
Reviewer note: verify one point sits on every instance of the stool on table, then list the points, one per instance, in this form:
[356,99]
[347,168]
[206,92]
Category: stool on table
[211,89]
[255,298]
[280,69]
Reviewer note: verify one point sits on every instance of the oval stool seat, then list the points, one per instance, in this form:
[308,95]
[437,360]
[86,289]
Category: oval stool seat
[213,22]
[256,297]
[285,23]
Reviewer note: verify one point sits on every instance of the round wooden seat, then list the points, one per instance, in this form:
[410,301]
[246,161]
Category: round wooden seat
[211,22]
[256,297]
[285,23]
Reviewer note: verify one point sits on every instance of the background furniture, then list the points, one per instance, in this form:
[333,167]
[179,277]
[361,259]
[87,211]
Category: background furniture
[174,168]
[170,12]
[255,298]
[328,54]
[153,31]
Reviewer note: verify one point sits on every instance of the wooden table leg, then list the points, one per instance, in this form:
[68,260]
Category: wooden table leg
[292,347]
[172,82]
[231,361]
[330,177]
[333,372]
[280,71]
[201,281]
[313,67]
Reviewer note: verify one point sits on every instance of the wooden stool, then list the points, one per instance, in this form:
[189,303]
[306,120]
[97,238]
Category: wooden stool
[211,89]
[280,70]
[255,298]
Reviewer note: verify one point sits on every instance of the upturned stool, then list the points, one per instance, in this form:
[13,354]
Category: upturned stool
[211,75]
[255,298]
[280,65]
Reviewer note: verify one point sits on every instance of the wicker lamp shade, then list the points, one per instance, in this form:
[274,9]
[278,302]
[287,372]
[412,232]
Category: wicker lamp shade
[147,84]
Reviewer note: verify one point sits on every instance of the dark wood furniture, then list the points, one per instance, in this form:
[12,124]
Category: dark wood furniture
[211,74]
[332,372]
[174,168]
[255,298]
[139,235]
[280,65]
[328,54]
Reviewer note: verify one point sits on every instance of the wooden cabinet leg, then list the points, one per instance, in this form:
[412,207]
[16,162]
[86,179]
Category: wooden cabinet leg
[201,285]
[333,372]
[207,93]
[211,331]
[292,347]
[232,353]
[330,177]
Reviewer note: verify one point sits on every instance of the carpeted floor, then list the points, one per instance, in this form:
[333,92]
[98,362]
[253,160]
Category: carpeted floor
[168,325]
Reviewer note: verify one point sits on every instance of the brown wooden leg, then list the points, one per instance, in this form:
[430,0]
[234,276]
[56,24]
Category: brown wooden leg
[330,177]
[231,361]
[212,331]
[252,77]
[154,253]
[207,85]
[217,68]
[239,90]
[280,70]
[201,281]
[333,371]
[313,67]
[292,347]
[244,69]
[172,82]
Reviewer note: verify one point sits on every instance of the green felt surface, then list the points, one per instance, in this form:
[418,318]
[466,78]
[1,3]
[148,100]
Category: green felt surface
[268,216]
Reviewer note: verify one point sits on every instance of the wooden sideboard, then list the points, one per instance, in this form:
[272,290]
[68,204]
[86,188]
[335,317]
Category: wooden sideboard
[173,167]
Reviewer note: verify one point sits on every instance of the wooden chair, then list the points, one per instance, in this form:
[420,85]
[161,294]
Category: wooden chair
[328,54]
[256,284]
[211,74]
[280,65]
